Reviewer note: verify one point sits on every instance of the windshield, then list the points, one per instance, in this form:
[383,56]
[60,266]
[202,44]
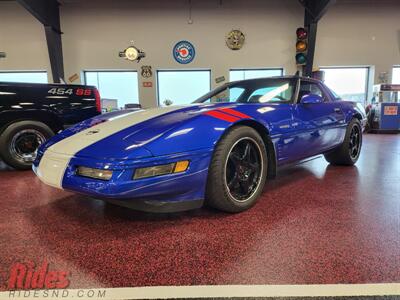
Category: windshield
[267,90]
[336,96]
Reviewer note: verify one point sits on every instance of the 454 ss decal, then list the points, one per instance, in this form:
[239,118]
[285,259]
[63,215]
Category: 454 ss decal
[64,91]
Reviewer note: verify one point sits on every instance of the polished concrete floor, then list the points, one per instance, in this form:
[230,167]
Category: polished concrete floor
[315,223]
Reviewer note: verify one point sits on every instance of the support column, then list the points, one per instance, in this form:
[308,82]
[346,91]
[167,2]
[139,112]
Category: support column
[54,46]
[313,12]
[312,37]
[47,12]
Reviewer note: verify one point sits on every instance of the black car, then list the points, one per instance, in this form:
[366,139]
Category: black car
[31,113]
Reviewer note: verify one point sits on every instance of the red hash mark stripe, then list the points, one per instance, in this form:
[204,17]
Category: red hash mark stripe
[235,113]
[221,116]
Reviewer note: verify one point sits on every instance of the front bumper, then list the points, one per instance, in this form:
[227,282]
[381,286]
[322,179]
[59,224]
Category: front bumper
[158,206]
[186,186]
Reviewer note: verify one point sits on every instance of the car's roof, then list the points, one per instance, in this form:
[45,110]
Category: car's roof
[250,82]
[275,77]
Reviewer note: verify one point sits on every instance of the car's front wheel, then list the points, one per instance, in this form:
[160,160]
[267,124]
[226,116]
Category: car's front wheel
[238,170]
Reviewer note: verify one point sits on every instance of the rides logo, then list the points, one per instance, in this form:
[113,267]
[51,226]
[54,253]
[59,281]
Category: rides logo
[29,276]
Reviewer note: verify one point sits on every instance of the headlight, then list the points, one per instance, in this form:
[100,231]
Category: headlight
[94,173]
[176,167]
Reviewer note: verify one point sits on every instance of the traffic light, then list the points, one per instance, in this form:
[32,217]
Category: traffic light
[301,46]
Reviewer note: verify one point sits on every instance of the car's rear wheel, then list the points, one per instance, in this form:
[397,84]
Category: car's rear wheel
[349,151]
[238,170]
[20,140]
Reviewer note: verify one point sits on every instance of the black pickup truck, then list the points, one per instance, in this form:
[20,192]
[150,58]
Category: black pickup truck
[31,113]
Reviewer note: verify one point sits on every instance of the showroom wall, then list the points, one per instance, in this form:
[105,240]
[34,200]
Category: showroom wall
[93,39]
[360,33]
[95,31]
[22,37]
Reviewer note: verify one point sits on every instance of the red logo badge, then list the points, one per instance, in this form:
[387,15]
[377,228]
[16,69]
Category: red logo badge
[29,276]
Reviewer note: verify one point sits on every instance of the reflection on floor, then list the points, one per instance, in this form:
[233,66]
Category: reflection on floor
[315,223]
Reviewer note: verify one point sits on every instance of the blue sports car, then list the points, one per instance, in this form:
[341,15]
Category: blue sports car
[219,150]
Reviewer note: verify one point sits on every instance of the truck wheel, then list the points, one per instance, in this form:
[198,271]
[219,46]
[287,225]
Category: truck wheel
[20,140]
[348,152]
[238,170]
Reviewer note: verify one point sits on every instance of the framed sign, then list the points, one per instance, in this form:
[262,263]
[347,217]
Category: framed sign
[390,110]
[184,52]
[235,39]
[147,84]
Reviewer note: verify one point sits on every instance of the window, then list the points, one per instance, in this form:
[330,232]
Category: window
[24,76]
[349,83]
[258,91]
[277,92]
[310,88]
[396,75]
[182,87]
[119,85]
[241,74]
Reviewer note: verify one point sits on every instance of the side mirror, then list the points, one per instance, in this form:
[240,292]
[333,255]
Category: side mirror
[311,98]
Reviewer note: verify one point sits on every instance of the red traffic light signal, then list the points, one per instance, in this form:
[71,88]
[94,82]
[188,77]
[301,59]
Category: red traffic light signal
[301,33]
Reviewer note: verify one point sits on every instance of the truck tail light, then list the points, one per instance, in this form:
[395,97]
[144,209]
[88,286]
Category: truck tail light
[98,101]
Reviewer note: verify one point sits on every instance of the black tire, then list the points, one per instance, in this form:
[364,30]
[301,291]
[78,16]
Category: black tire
[241,172]
[348,152]
[19,141]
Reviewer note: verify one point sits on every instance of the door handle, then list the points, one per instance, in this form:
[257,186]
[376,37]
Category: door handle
[337,110]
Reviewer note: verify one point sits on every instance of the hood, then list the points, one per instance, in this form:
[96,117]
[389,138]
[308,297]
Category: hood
[144,133]
[110,132]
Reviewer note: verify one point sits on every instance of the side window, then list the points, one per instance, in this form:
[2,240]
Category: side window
[279,92]
[311,88]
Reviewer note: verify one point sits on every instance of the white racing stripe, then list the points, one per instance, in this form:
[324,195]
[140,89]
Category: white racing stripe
[217,291]
[52,167]
[56,158]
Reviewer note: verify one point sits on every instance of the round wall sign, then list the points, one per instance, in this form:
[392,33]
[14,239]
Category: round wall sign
[131,53]
[183,52]
[235,39]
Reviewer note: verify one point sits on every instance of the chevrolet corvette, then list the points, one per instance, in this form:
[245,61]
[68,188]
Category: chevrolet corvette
[219,150]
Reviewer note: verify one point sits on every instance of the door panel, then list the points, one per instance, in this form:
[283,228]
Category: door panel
[317,126]
[280,118]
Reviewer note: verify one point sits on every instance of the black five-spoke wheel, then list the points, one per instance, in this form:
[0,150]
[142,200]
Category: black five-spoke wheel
[348,152]
[243,169]
[355,141]
[238,170]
